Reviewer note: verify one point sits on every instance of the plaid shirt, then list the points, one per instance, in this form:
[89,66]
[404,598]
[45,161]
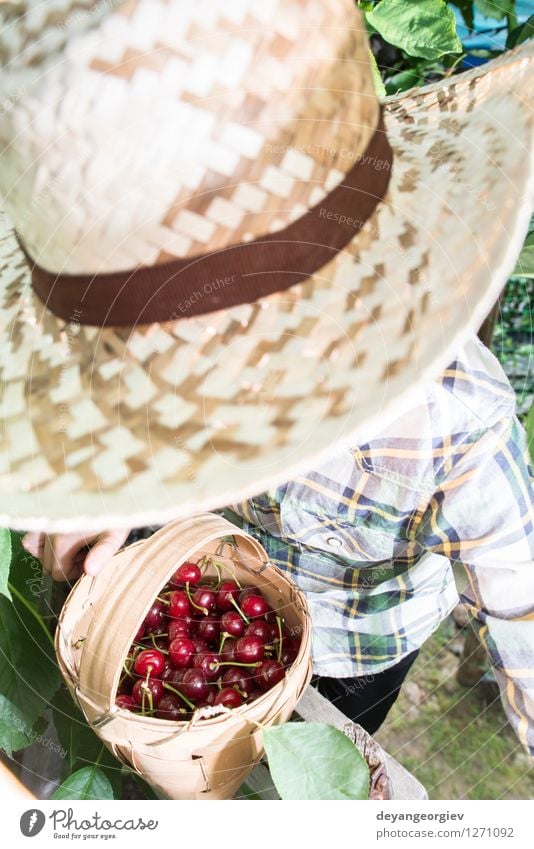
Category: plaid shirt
[371,533]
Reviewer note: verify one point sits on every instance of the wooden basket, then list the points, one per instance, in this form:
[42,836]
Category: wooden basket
[211,755]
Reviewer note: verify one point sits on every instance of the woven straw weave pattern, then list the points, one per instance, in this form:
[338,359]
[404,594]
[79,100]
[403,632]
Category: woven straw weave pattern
[106,424]
[170,129]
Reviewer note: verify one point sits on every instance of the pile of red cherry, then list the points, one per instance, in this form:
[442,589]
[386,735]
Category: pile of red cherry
[204,642]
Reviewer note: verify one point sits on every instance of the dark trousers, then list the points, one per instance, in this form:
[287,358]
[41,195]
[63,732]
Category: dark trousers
[367,699]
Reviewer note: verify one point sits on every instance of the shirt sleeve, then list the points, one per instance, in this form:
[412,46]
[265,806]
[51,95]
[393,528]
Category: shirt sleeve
[482,516]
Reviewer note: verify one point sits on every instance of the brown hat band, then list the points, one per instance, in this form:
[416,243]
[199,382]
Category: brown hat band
[233,275]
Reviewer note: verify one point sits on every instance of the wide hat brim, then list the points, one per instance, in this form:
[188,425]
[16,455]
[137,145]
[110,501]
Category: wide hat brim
[109,427]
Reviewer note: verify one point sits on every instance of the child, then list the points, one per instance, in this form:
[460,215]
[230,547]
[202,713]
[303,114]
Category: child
[371,534]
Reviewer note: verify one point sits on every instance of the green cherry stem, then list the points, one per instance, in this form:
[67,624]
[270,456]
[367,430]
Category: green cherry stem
[214,666]
[178,693]
[224,637]
[154,643]
[190,597]
[147,692]
[217,569]
[127,671]
[202,563]
[243,617]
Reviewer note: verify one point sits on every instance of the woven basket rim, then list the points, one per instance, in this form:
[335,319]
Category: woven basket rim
[68,668]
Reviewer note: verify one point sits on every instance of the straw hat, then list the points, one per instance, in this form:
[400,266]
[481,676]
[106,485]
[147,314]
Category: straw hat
[223,265]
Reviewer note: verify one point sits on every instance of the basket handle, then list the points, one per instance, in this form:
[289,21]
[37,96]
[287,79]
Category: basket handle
[137,579]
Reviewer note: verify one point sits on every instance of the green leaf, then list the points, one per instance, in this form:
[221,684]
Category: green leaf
[5,561]
[26,573]
[525,262]
[87,783]
[310,760]
[467,12]
[379,85]
[426,29]
[73,731]
[496,9]
[29,675]
[403,81]
[15,731]
[80,742]
[521,33]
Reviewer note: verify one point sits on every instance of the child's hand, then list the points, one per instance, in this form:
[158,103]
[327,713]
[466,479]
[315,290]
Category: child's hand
[64,556]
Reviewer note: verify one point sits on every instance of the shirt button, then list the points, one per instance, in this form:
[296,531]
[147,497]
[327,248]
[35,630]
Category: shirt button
[334,542]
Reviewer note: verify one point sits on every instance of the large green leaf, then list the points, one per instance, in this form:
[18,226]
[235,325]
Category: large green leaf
[426,29]
[26,574]
[29,675]
[310,760]
[87,783]
[403,80]
[496,9]
[75,735]
[525,263]
[467,11]
[5,561]
[521,33]
[16,731]
[80,742]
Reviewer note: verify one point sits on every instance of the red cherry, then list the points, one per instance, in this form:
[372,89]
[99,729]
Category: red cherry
[237,677]
[227,590]
[253,695]
[269,673]
[161,643]
[201,646]
[187,573]
[246,592]
[209,664]
[181,650]
[194,685]
[249,649]
[254,606]
[170,707]
[204,599]
[167,671]
[228,651]
[176,677]
[140,633]
[287,658]
[147,693]
[154,616]
[126,702]
[273,627]
[228,697]
[178,628]
[232,623]
[149,661]
[259,629]
[208,701]
[209,628]
[179,605]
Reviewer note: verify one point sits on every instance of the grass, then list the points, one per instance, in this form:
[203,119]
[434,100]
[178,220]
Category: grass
[455,740]
[513,339]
